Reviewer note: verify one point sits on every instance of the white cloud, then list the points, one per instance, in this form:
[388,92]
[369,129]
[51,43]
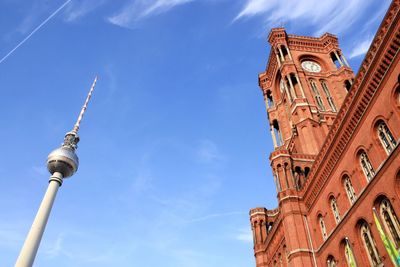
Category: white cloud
[140,9]
[244,234]
[333,15]
[79,9]
[361,48]
[208,152]
[216,215]
[56,248]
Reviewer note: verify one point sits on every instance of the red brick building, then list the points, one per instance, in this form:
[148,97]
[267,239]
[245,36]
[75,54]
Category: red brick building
[336,161]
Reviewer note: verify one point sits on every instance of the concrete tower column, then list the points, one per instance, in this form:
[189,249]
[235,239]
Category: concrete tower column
[31,245]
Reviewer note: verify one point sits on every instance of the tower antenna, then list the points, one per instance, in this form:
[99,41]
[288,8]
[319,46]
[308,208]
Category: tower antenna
[78,121]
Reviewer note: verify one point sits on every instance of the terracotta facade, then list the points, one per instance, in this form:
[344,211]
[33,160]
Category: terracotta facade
[336,156]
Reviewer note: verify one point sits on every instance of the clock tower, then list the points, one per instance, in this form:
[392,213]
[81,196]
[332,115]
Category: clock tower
[304,86]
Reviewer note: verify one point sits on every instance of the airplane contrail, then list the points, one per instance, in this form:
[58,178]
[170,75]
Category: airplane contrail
[35,30]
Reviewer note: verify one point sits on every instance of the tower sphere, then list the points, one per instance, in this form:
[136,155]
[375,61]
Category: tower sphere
[63,160]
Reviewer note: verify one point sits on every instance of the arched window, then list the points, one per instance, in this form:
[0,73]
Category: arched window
[306,172]
[369,245]
[386,137]
[366,166]
[270,100]
[277,183]
[348,252]
[347,85]
[328,96]
[317,96]
[323,227]
[285,53]
[277,133]
[331,262]
[335,209]
[390,221]
[349,189]
[335,60]
[298,177]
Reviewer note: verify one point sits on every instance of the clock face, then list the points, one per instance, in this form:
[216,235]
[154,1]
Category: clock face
[311,66]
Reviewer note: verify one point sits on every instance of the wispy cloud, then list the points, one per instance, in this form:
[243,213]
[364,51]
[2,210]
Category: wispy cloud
[35,30]
[78,9]
[140,9]
[361,48]
[332,18]
[216,215]
[208,152]
[244,234]
[56,248]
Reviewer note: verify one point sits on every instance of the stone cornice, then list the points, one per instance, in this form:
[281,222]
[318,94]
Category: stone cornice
[377,61]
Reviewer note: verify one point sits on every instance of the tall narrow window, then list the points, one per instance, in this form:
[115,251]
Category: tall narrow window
[366,166]
[277,133]
[323,227]
[335,60]
[369,244]
[277,183]
[347,85]
[349,189]
[348,252]
[270,100]
[328,96]
[386,137]
[335,209]
[391,221]
[317,96]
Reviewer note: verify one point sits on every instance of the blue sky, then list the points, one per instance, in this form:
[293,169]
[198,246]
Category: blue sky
[174,146]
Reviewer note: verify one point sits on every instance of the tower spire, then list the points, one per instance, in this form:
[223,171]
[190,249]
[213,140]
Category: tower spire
[78,121]
[71,138]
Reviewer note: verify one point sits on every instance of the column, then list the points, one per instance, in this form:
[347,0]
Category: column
[288,51]
[273,135]
[345,61]
[266,102]
[301,87]
[280,52]
[277,59]
[291,86]
[287,92]
[286,178]
[338,58]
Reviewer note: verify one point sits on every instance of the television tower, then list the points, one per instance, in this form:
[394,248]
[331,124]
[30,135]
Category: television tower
[61,163]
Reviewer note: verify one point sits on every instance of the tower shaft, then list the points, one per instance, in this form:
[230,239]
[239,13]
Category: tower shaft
[32,241]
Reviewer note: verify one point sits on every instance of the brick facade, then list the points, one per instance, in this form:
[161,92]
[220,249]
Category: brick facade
[336,153]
